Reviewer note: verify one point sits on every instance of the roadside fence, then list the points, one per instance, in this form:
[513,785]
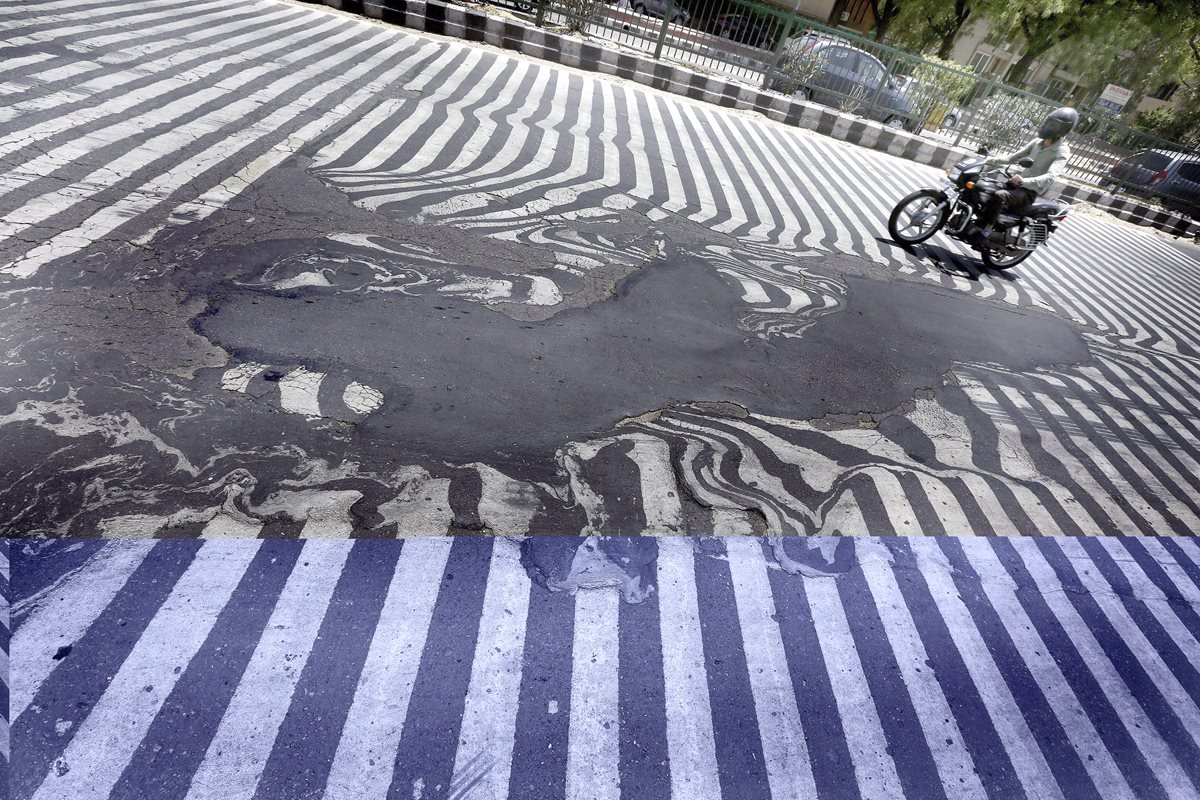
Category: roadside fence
[788,52]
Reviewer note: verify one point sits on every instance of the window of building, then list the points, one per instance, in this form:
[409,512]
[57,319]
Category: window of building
[979,62]
[1166,91]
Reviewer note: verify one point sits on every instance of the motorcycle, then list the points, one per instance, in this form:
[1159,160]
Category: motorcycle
[956,206]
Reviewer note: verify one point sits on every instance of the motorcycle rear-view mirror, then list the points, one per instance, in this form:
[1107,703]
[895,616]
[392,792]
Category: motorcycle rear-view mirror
[1026,162]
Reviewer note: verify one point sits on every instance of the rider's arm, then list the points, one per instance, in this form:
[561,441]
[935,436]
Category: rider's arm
[1011,158]
[1040,183]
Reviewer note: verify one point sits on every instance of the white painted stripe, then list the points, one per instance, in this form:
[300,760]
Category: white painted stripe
[660,493]
[517,130]
[690,746]
[843,516]
[1133,458]
[944,503]
[455,114]
[1037,656]
[516,160]
[360,398]
[896,507]
[1017,462]
[225,526]
[873,766]
[371,735]
[506,506]
[785,751]
[13,64]
[62,613]
[1147,591]
[1190,547]
[1170,566]
[15,15]
[109,736]
[266,26]
[150,195]
[238,752]
[1079,473]
[485,740]
[455,60]
[1027,759]
[1148,406]
[237,379]
[1143,732]
[157,147]
[298,392]
[1105,466]
[1104,595]
[534,173]
[188,33]
[135,25]
[955,766]
[593,746]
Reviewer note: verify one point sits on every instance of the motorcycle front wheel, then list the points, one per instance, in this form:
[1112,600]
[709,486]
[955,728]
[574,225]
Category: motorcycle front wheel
[918,216]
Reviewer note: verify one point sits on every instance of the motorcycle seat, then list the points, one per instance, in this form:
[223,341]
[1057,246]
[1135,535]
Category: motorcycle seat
[1041,208]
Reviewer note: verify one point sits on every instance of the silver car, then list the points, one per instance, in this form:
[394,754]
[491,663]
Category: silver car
[658,8]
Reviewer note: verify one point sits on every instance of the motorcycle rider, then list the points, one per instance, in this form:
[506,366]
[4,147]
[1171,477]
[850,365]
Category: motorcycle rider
[1049,153]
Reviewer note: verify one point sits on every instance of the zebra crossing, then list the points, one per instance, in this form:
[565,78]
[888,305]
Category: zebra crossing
[5,637]
[918,668]
[142,118]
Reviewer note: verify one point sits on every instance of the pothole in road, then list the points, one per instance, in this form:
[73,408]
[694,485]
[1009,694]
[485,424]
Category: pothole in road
[462,384]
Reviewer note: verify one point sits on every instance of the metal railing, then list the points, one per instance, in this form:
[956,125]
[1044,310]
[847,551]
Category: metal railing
[788,52]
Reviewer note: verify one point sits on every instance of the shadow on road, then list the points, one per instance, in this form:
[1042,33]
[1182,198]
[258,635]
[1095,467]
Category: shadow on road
[949,262]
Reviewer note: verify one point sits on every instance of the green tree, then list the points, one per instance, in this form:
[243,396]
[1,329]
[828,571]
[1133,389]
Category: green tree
[1180,121]
[1047,24]
[934,25]
[885,12]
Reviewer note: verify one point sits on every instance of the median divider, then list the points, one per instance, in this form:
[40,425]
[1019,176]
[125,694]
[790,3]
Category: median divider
[471,24]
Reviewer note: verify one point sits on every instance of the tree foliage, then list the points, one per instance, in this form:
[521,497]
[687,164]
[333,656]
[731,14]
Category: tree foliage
[1090,26]
[1180,121]
[1139,44]
[798,68]
[943,79]
[580,13]
[885,12]
[933,25]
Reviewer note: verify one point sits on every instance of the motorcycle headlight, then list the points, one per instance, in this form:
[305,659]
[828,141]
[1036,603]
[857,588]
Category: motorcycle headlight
[952,174]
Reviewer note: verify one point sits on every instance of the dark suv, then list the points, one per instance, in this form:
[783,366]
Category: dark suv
[742,28]
[1170,177]
[827,70]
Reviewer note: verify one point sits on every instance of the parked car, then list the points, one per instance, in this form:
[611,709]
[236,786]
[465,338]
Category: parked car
[1167,176]
[658,8]
[827,70]
[742,28]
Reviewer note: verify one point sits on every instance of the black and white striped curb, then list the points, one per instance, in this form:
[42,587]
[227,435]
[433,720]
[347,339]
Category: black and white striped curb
[510,34]
[473,25]
[1131,210]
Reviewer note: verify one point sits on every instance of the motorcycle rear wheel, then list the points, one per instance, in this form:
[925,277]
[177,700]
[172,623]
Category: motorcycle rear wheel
[997,260]
[927,207]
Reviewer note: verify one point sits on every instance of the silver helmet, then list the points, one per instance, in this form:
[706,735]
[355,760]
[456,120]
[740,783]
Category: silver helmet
[1059,122]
